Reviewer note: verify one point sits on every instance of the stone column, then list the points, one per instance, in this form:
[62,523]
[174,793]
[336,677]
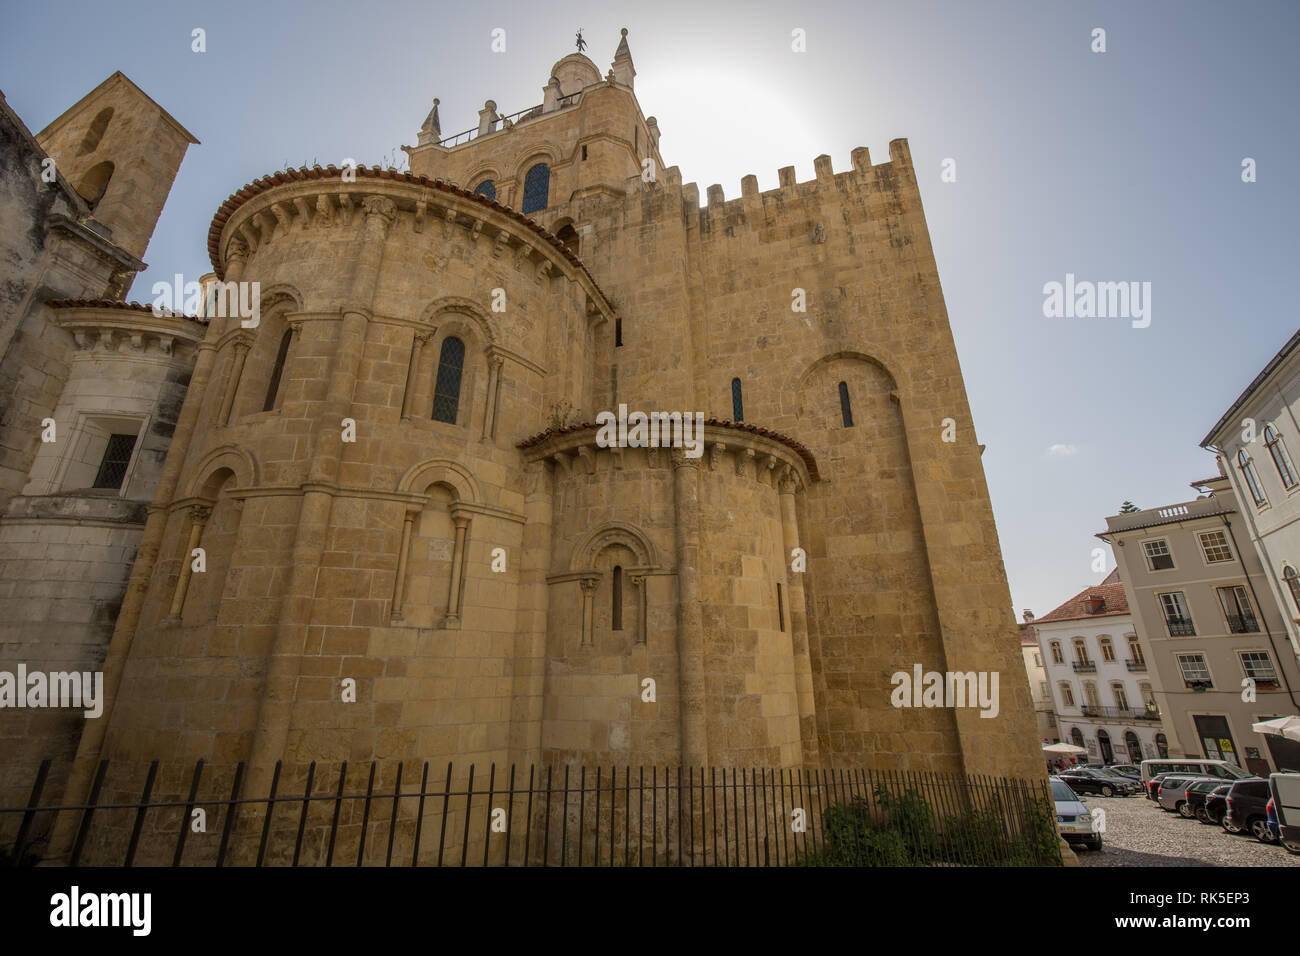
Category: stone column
[236,373]
[199,515]
[422,396]
[399,585]
[276,706]
[494,384]
[638,582]
[457,570]
[528,680]
[690,623]
[588,609]
[146,557]
[409,403]
[803,682]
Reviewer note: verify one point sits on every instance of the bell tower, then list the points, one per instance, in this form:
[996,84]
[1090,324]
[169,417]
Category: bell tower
[121,151]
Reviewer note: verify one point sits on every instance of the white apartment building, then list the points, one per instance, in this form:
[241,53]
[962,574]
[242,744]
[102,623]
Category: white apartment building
[1219,659]
[1255,440]
[1096,669]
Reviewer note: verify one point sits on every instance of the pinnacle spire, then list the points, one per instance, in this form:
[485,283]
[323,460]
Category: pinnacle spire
[431,123]
[622,67]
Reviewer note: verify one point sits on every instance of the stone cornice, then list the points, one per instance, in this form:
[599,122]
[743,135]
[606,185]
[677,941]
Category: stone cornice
[306,198]
[110,325]
[759,453]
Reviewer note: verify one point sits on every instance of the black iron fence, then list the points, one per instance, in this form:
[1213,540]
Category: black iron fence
[544,816]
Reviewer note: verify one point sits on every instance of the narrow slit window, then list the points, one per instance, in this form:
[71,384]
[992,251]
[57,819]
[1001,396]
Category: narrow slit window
[616,607]
[446,392]
[737,405]
[277,372]
[846,410]
[780,608]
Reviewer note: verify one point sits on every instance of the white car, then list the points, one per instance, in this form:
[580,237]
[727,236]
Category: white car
[1073,818]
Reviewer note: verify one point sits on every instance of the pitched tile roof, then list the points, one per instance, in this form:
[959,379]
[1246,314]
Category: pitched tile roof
[1115,602]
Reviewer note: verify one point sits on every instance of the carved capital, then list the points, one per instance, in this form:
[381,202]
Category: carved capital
[236,250]
[200,514]
[380,211]
[681,460]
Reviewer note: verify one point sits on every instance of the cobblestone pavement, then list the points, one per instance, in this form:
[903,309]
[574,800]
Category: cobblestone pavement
[1138,833]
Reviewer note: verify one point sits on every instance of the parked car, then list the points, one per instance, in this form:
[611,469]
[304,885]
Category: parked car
[1127,769]
[1248,809]
[1173,793]
[1094,781]
[1196,796]
[1153,785]
[1193,766]
[1215,806]
[1073,819]
[1132,784]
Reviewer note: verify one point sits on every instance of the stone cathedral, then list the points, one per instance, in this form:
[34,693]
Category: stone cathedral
[396,483]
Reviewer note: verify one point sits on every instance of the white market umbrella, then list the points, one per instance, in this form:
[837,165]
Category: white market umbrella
[1288,727]
[1063,749]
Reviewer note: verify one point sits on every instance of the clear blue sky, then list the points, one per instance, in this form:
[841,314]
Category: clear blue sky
[1117,166]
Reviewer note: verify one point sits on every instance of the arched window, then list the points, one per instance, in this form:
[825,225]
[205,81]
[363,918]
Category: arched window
[737,405]
[1081,651]
[1252,480]
[1057,658]
[537,187]
[1107,648]
[1293,585]
[1067,694]
[1281,460]
[1162,745]
[1090,693]
[95,183]
[616,606]
[277,371]
[1120,694]
[846,411]
[487,188]
[90,142]
[1133,746]
[568,237]
[1076,736]
[446,392]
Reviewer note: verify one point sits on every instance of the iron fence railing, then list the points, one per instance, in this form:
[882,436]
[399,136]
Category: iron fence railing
[502,122]
[546,816]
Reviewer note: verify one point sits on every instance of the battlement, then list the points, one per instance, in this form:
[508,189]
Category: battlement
[885,178]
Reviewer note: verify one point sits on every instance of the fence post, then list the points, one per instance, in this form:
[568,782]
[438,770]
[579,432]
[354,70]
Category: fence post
[139,813]
[231,807]
[84,830]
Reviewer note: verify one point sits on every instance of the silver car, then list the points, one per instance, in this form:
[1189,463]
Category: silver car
[1073,819]
[1173,792]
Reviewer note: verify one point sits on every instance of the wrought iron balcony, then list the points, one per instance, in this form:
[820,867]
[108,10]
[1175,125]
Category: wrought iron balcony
[1243,624]
[1085,667]
[1180,627]
[1136,665]
[1120,713]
